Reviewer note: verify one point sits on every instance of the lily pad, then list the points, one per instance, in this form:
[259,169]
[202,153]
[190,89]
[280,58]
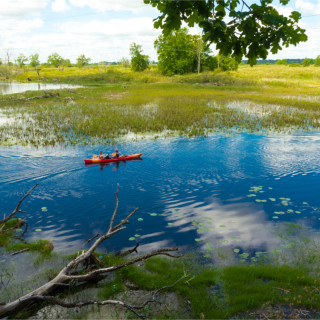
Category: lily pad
[284,203]
[173,211]
[272,199]
[306,203]
[197,240]
[207,255]
[275,251]
[209,249]
[244,255]
[298,212]
[251,195]
[38,230]
[137,235]
[153,214]
[290,211]
[279,212]
[236,250]
[255,189]
[170,223]
[180,215]
[132,238]
[140,219]
[275,217]
[44,209]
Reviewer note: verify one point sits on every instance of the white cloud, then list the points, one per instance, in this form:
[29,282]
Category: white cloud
[11,27]
[285,11]
[99,40]
[135,6]
[307,7]
[21,8]
[59,6]
[114,27]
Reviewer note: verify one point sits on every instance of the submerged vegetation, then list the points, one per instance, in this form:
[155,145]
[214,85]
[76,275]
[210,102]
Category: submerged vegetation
[117,103]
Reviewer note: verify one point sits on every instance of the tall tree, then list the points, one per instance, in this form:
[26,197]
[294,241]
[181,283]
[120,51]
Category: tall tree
[125,62]
[307,62]
[34,60]
[55,59]
[235,27]
[177,52]
[139,61]
[82,61]
[21,60]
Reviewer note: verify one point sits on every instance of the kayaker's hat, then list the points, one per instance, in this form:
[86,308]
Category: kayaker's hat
[117,150]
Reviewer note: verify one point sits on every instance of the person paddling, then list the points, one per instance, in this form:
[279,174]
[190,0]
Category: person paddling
[116,153]
[103,156]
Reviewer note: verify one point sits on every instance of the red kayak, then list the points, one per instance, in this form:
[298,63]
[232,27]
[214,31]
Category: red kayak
[124,158]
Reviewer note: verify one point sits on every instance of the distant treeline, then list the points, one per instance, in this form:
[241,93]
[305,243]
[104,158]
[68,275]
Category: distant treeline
[279,61]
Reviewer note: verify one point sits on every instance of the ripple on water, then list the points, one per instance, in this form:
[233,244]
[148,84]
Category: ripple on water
[190,193]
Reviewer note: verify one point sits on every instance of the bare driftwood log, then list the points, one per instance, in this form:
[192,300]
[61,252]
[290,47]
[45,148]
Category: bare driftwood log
[68,274]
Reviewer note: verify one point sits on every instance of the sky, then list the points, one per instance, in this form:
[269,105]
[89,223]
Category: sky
[104,29]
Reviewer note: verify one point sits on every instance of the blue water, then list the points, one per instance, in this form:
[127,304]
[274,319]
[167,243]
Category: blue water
[193,193]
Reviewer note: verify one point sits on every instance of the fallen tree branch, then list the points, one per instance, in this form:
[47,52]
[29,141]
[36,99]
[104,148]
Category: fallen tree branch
[97,235]
[5,219]
[123,254]
[132,308]
[20,251]
[70,272]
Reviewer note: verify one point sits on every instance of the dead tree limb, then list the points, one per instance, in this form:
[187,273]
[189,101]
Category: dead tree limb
[5,219]
[70,273]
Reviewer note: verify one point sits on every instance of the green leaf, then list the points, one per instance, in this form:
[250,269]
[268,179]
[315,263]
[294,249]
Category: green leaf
[295,15]
[132,238]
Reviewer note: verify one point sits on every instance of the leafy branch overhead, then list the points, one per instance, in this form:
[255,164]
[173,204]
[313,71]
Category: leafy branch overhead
[234,26]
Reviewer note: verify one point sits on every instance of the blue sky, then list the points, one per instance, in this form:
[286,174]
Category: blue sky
[104,29]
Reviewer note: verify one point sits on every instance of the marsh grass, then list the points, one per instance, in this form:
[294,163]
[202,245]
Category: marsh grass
[120,103]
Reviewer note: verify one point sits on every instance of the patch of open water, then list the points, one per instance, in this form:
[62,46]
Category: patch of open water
[200,194]
[7,87]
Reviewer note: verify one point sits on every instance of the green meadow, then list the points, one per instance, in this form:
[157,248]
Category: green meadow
[118,104]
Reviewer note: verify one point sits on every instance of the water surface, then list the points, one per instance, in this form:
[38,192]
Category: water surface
[7,87]
[201,194]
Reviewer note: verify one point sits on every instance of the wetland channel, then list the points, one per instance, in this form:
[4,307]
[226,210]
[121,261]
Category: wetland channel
[225,192]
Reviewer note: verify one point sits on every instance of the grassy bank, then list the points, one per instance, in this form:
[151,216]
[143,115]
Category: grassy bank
[254,291]
[119,102]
